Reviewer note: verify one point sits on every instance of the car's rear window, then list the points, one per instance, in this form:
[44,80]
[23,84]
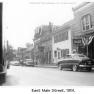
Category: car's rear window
[68,56]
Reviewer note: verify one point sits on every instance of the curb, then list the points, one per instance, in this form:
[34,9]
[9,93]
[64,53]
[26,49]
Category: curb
[42,66]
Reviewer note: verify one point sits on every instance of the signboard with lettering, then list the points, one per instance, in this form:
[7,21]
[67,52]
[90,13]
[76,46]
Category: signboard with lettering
[77,41]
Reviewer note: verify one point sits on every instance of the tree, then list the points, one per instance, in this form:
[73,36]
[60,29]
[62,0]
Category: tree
[8,54]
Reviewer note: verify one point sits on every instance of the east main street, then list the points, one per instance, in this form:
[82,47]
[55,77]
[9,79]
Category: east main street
[24,76]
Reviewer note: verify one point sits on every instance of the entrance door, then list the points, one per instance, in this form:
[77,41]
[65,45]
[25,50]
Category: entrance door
[91,49]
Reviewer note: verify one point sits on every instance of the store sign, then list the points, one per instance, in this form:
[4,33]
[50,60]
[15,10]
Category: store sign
[77,41]
[87,40]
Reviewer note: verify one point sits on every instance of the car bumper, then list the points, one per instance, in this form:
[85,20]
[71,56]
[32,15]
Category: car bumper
[87,66]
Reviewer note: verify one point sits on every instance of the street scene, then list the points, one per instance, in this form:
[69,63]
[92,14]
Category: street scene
[50,76]
[43,46]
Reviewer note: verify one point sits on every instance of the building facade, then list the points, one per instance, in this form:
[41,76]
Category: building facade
[76,36]
[25,53]
[62,43]
[83,29]
[1,33]
[43,44]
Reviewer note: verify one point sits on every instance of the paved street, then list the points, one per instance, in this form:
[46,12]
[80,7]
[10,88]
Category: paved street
[23,76]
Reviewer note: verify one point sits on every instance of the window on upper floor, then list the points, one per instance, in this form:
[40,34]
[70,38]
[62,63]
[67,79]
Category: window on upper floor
[38,31]
[86,22]
[61,37]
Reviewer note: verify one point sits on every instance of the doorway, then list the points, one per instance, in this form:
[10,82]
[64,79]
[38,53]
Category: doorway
[91,49]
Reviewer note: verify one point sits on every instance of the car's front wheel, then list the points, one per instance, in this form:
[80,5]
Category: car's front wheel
[74,68]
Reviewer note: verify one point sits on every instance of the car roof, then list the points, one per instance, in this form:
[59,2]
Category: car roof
[28,59]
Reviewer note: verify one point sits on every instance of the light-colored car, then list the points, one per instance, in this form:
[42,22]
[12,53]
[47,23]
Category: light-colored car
[76,62]
[29,62]
[15,63]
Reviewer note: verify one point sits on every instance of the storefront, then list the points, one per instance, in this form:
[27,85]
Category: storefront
[88,41]
[78,46]
[84,45]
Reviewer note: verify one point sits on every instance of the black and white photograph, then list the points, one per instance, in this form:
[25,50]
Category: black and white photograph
[47,43]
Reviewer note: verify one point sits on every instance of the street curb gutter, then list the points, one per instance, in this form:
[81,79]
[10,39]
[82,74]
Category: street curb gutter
[45,66]
[50,66]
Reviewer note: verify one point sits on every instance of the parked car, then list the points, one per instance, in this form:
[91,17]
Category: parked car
[29,62]
[76,62]
[15,63]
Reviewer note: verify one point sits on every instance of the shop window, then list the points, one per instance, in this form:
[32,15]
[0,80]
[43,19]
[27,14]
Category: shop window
[64,52]
[61,53]
[67,51]
[58,55]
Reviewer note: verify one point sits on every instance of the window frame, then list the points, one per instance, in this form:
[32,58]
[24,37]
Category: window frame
[86,22]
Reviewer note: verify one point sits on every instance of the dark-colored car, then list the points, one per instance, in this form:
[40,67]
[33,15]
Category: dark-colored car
[76,62]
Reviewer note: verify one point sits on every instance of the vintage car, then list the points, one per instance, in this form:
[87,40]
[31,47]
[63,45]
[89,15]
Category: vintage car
[29,62]
[76,62]
[15,63]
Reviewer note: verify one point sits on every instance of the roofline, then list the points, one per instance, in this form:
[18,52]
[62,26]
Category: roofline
[66,25]
[80,6]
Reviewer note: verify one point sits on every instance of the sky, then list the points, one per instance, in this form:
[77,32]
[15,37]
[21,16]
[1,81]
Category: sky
[21,17]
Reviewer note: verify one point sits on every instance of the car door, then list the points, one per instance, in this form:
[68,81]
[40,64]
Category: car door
[67,62]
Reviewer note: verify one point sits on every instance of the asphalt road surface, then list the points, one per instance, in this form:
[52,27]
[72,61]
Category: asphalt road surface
[31,76]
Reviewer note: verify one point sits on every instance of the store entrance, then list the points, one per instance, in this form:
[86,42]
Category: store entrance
[91,49]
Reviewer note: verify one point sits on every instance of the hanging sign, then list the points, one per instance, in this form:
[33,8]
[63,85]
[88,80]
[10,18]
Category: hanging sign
[77,41]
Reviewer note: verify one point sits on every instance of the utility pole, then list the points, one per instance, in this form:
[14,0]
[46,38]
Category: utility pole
[87,49]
